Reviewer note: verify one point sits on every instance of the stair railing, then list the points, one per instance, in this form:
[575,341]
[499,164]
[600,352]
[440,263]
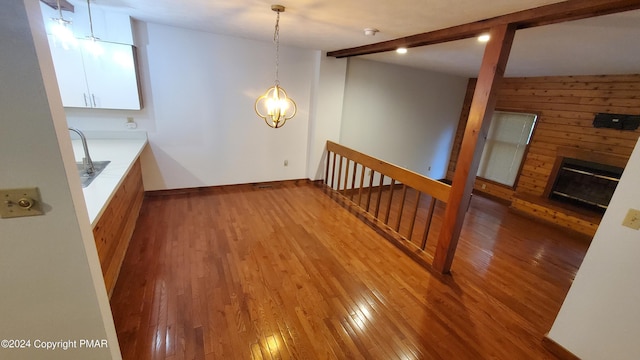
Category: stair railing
[370,184]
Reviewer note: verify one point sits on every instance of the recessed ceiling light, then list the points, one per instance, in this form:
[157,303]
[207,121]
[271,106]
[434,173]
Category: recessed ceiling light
[401,50]
[371,31]
[484,38]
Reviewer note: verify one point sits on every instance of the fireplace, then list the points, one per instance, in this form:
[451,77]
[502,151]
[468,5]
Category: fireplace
[584,179]
[585,184]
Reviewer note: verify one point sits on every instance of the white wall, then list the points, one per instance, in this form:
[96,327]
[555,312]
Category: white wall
[402,115]
[326,110]
[600,317]
[50,280]
[206,132]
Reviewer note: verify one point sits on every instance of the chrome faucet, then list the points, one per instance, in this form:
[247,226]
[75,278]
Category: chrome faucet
[86,160]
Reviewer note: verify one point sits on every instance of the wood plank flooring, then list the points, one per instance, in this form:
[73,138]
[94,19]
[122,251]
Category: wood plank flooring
[285,272]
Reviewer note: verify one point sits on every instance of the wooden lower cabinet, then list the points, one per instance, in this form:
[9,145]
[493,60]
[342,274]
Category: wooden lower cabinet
[115,227]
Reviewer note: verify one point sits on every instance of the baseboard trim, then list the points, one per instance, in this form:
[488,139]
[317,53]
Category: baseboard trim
[558,350]
[493,197]
[205,189]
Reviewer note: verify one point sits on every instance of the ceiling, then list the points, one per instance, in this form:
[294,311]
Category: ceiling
[603,45]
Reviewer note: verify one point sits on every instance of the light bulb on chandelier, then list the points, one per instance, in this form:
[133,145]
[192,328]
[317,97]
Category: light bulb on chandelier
[275,107]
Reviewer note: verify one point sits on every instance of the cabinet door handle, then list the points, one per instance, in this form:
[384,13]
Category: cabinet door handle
[86,104]
[93,96]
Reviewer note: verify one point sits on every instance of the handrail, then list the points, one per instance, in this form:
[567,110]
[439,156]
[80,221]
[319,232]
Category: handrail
[347,186]
[422,183]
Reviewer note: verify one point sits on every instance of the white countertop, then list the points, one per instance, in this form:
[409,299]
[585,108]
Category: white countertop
[122,153]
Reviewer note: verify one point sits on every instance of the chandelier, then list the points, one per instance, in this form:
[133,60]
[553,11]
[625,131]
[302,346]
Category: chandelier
[275,107]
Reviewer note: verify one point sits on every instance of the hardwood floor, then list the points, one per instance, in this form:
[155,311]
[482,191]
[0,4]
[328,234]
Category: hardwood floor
[284,272]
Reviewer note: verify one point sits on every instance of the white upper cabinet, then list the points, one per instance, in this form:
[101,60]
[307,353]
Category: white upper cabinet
[92,74]
[107,26]
[111,76]
[72,82]
[96,74]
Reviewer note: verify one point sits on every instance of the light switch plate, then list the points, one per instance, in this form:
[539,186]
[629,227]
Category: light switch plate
[632,220]
[20,202]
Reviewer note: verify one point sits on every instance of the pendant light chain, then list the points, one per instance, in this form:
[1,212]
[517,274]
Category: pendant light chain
[276,39]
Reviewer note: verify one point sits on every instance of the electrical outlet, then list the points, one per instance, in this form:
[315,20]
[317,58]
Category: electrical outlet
[483,186]
[286,163]
[632,220]
[131,123]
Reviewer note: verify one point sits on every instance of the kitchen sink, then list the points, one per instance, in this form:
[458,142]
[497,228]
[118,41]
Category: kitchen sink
[86,179]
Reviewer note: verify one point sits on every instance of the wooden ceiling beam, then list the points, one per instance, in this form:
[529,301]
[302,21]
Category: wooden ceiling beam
[545,15]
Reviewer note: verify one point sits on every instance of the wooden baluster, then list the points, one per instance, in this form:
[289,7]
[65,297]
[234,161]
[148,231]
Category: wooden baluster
[386,217]
[346,178]
[326,172]
[353,180]
[364,169]
[340,173]
[432,206]
[404,197]
[379,195]
[415,214]
[370,188]
[333,170]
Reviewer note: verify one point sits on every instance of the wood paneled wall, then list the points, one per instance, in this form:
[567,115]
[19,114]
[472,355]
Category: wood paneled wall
[566,106]
[115,227]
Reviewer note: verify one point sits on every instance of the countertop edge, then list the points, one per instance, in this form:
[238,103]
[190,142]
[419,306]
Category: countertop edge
[110,197]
